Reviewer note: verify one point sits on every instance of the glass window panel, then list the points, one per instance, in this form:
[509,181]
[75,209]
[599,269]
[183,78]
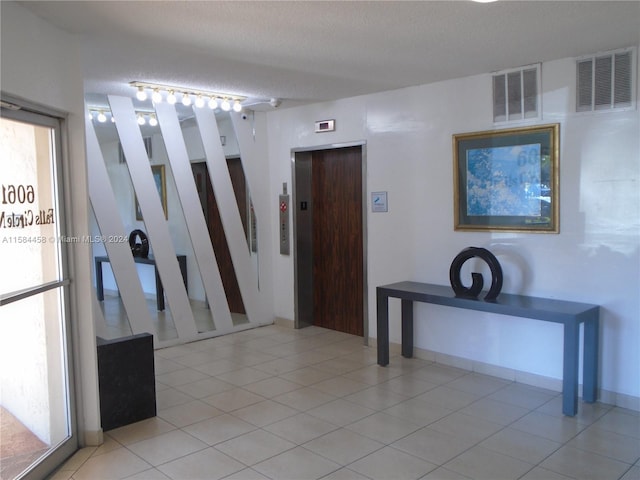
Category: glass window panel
[29,238]
[34,395]
[34,383]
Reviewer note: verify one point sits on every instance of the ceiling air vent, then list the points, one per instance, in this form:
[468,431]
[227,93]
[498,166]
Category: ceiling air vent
[516,94]
[605,81]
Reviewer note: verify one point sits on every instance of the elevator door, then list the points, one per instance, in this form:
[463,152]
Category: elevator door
[329,243]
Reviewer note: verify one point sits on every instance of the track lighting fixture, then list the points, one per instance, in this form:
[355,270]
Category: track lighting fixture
[199,98]
[102,114]
[226,101]
[141,94]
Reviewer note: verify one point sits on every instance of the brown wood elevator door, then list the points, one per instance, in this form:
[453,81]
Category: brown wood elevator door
[338,239]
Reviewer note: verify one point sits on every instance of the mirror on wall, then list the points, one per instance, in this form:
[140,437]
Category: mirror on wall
[109,286]
[114,322]
[217,234]
[117,321]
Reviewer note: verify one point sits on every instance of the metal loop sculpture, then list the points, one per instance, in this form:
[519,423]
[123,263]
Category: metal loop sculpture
[478,281]
[139,249]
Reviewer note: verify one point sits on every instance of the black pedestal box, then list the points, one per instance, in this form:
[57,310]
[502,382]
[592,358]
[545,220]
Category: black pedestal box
[126,380]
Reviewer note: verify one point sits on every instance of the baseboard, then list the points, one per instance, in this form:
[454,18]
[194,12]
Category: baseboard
[619,400]
[92,438]
[604,396]
[284,322]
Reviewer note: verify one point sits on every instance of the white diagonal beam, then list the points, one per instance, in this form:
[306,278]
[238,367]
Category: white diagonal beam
[194,216]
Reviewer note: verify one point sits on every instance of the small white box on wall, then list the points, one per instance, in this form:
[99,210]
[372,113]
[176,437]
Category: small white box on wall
[325,126]
[379,202]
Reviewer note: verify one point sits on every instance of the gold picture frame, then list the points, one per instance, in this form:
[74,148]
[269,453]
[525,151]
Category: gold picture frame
[507,180]
[161,185]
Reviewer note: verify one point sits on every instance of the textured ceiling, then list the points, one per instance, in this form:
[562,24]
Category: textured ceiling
[309,51]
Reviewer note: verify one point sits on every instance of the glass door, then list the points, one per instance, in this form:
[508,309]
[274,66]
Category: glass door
[36,421]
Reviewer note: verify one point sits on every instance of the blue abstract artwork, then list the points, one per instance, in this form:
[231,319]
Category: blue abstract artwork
[506,181]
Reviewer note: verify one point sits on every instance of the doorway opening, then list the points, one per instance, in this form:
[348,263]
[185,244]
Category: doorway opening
[37,417]
[329,186]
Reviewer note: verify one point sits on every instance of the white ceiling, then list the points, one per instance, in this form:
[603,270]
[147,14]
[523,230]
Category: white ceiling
[310,51]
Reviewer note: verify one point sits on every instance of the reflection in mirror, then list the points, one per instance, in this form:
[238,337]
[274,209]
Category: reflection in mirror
[219,242]
[182,240]
[114,310]
[123,307]
[212,213]
[240,187]
[114,322]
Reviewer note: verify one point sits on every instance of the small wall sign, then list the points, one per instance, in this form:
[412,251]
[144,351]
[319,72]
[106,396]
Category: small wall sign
[325,126]
[379,202]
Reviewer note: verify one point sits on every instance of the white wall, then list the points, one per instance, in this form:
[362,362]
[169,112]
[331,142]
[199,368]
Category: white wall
[594,258]
[41,63]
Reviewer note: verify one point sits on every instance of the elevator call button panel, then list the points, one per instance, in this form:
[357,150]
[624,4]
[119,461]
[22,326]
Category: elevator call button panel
[284,223]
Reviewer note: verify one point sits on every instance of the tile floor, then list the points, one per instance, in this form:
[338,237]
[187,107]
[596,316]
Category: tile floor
[19,447]
[277,403]
[116,322]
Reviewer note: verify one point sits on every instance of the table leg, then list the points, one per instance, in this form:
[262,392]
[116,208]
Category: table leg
[99,281]
[407,328]
[590,362]
[382,306]
[159,291]
[570,368]
[182,262]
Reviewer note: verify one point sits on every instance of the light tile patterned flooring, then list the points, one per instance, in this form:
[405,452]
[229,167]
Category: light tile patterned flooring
[276,403]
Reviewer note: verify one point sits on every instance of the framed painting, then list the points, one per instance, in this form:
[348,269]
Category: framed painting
[161,186]
[507,180]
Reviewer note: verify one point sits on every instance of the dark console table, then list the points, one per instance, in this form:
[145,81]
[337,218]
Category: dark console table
[182,261]
[569,314]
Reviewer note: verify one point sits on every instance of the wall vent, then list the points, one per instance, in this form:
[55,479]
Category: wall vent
[605,81]
[516,94]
